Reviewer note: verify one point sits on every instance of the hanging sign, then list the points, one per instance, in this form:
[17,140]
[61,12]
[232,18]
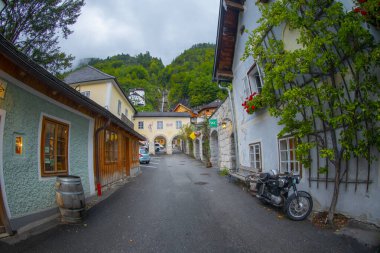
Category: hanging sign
[213,123]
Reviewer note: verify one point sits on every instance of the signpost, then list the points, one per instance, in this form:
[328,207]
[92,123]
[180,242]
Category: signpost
[213,123]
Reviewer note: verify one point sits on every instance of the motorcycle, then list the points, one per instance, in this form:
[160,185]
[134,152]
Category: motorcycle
[275,189]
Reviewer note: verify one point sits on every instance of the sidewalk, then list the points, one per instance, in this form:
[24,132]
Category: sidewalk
[364,233]
[48,223]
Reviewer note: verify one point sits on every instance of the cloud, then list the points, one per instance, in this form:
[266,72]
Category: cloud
[165,28]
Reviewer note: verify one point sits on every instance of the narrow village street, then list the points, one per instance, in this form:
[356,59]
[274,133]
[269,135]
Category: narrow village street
[178,205]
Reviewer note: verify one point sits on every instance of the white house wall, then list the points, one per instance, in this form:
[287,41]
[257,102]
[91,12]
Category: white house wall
[261,127]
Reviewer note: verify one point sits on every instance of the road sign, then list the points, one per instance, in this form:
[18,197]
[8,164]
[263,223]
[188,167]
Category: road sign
[192,136]
[213,123]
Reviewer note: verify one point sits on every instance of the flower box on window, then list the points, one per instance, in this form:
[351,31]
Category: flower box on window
[252,103]
[370,10]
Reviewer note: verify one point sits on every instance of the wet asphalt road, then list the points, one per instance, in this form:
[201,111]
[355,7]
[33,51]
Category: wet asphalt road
[178,205]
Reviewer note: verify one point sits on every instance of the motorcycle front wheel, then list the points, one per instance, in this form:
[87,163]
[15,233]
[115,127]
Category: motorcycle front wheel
[299,208]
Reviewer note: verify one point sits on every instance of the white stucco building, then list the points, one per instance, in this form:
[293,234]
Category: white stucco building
[259,148]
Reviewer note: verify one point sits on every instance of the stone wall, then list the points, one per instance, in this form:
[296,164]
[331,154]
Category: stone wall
[221,144]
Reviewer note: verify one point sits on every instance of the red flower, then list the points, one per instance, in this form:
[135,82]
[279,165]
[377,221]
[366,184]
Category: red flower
[253,107]
[357,9]
[363,12]
[362,1]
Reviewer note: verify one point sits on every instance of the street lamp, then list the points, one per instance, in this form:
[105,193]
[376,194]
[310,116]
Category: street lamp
[3,3]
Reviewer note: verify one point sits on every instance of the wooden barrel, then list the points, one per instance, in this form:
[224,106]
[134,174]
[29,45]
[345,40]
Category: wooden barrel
[70,198]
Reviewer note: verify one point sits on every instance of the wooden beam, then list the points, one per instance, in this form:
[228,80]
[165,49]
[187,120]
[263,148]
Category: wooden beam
[225,74]
[233,5]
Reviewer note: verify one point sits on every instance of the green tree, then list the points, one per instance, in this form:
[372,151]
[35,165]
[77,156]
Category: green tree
[326,92]
[185,132]
[35,27]
[188,77]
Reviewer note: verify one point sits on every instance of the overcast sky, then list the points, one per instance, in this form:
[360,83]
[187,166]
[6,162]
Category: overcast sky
[165,28]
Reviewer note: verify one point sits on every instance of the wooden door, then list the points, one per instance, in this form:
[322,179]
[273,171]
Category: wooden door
[3,216]
[4,222]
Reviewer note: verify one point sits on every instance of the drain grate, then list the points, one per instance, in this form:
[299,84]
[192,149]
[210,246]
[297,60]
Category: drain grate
[200,183]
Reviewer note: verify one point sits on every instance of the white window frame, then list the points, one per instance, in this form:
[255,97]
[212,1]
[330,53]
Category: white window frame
[255,157]
[255,81]
[160,125]
[141,124]
[86,93]
[178,124]
[247,87]
[287,156]
[119,107]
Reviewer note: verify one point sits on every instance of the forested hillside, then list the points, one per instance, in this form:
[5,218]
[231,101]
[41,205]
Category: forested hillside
[186,80]
[189,77]
[140,71]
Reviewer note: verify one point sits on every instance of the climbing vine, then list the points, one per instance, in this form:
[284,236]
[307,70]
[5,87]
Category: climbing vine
[325,92]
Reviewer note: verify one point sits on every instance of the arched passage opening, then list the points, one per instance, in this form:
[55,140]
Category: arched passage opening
[160,144]
[197,149]
[176,144]
[232,151]
[214,149]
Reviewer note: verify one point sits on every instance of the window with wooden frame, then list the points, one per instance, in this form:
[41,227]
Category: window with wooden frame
[54,147]
[141,124]
[111,146]
[287,152]
[178,124]
[255,156]
[160,125]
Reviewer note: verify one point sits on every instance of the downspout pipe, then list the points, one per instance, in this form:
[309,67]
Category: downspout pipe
[97,155]
[237,160]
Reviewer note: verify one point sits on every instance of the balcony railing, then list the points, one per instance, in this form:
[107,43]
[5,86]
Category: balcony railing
[127,121]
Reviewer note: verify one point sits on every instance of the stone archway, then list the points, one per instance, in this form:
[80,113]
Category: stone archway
[214,149]
[159,145]
[176,144]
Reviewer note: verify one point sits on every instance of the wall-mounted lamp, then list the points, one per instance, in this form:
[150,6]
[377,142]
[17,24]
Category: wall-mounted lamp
[18,145]
[3,3]
[224,122]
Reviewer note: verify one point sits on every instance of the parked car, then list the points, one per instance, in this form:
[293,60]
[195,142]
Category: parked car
[144,155]
[158,147]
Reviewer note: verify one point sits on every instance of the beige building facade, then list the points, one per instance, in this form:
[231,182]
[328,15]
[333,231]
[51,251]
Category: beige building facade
[161,127]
